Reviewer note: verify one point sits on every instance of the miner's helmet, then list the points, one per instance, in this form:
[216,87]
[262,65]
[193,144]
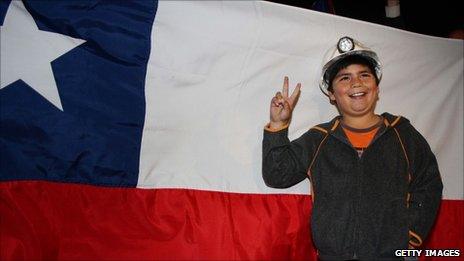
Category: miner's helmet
[345,47]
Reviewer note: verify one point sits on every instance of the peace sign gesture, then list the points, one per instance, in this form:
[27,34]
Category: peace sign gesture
[282,106]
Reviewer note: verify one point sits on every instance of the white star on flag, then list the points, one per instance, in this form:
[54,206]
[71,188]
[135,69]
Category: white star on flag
[31,60]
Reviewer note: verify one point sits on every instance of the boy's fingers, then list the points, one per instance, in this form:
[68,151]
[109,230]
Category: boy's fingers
[274,100]
[296,91]
[287,105]
[278,99]
[285,87]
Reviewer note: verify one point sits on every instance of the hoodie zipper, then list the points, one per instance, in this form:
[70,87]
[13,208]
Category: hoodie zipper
[360,162]
[358,159]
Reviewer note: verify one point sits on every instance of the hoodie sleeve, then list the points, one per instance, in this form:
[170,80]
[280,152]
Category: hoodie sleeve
[425,189]
[285,163]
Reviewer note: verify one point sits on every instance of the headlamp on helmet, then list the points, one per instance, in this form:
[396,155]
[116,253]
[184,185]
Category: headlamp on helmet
[345,44]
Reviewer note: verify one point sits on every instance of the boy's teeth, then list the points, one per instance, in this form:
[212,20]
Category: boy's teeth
[357,94]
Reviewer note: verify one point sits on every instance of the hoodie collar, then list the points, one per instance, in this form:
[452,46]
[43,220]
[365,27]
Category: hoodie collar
[389,121]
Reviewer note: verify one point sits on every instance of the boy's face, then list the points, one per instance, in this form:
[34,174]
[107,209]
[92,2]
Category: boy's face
[355,91]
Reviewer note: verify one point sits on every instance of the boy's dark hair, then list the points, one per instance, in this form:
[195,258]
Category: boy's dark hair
[347,61]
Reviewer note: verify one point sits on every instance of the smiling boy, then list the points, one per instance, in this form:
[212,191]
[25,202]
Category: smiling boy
[375,182]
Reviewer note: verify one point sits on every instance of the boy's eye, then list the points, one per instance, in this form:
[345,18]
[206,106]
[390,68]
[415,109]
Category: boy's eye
[366,75]
[344,78]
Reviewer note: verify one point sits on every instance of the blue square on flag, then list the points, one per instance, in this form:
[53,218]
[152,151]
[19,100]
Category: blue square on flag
[72,102]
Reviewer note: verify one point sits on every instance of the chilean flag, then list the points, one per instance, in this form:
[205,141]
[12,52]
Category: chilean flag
[132,130]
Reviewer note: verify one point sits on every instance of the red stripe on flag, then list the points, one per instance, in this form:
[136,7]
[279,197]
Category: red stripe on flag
[447,232]
[43,220]
[65,221]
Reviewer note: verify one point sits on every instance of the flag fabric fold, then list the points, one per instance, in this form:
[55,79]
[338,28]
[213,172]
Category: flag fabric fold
[95,138]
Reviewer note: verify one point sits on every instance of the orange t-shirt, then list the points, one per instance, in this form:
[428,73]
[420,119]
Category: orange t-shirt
[360,138]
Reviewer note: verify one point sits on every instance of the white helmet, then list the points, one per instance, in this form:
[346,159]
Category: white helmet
[345,47]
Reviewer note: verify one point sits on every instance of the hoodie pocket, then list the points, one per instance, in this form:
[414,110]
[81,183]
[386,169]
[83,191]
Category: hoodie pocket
[333,230]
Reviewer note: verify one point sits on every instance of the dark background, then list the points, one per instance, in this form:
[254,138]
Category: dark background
[436,18]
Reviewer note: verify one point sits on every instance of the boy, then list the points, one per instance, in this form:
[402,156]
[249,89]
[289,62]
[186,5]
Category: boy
[375,182]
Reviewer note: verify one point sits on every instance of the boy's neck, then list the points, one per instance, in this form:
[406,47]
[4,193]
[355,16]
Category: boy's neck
[361,122]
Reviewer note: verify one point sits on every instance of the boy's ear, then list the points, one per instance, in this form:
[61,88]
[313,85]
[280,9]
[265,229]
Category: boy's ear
[332,98]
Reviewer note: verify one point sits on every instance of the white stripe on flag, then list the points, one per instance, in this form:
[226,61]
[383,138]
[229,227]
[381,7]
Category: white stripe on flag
[214,69]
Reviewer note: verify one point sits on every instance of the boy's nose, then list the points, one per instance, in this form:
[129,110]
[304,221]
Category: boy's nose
[355,82]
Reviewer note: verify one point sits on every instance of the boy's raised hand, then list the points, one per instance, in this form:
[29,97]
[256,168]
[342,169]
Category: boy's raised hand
[282,106]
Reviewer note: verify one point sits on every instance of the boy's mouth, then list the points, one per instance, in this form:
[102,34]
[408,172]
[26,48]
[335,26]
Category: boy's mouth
[357,94]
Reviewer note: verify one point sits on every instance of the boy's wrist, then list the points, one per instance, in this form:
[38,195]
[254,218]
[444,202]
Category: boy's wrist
[276,126]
